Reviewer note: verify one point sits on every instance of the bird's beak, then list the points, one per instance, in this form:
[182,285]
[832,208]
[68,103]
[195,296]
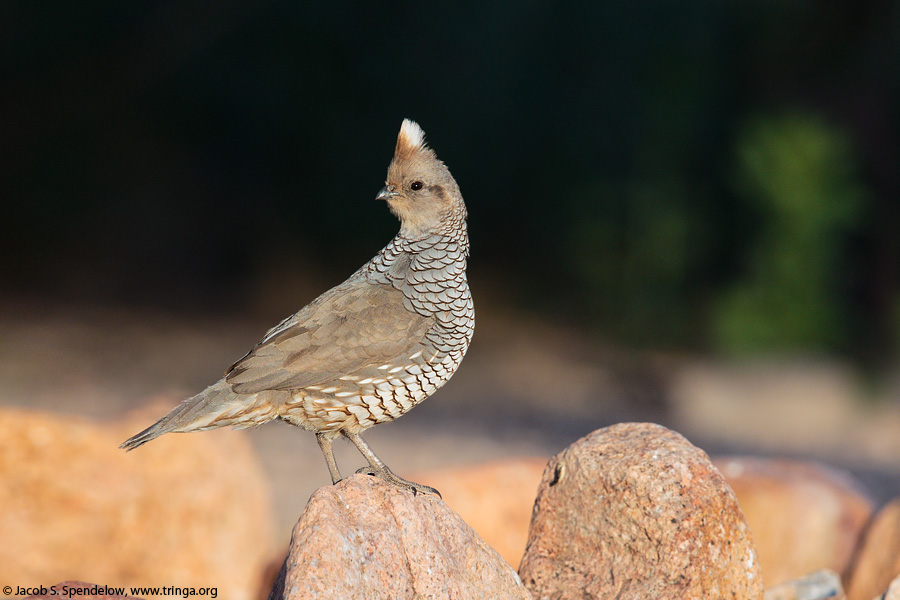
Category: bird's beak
[386,193]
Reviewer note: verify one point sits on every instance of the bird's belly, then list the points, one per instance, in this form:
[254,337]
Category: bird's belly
[355,404]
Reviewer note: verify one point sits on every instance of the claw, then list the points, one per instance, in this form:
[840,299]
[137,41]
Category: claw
[388,475]
[379,469]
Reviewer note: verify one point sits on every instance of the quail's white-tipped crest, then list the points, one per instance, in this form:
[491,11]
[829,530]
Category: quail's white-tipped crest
[410,140]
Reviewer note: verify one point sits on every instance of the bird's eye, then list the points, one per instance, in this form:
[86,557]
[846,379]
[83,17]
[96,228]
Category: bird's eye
[416,186]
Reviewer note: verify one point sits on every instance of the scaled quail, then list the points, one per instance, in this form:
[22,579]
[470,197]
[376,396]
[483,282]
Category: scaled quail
[369,349]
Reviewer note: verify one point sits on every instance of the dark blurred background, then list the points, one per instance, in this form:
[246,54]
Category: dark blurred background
[708,176]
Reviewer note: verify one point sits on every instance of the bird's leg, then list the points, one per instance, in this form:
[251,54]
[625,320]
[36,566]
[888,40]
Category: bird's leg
[325,445]
[379,469]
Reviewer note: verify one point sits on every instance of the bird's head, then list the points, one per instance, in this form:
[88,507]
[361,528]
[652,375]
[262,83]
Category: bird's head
[419,188]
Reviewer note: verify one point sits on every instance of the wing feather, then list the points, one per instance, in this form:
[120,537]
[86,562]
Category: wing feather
[347,329]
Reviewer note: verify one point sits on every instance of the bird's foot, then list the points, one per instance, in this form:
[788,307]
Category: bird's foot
[388,475]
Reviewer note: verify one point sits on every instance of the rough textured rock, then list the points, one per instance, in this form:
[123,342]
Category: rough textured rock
[367,539]
[877,562]
[821,585]
[803,516]
[494,498]
[78,589]
[190,510]
[634,511]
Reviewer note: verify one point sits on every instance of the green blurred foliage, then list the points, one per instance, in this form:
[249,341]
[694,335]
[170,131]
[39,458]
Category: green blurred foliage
[800,174]
[635,258]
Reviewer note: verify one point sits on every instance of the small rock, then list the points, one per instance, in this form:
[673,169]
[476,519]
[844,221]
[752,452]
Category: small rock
[79,589]
[634,511]
[878,559]
[494,498]
[364,538]
[803,516]
[821,585]
[185,510]
[893,592]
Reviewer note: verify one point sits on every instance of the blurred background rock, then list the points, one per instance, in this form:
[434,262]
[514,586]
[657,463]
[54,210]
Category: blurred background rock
[685,214]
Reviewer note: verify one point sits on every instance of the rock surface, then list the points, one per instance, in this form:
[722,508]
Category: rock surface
[821,585]
[634,511]
[78,589]
[367,539]
[494,498]
[186,510]
[803,516]
[878,559]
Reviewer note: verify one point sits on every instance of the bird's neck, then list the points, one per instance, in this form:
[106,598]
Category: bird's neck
[451,232]
[434,250]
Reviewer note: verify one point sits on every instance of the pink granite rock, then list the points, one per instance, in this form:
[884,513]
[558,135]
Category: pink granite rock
[365,538]
[494,498]
[804,517]
[820,585]
[186,510]
[877,560]
[634,511]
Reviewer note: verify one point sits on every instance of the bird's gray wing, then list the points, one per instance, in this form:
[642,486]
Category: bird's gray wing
[348,328]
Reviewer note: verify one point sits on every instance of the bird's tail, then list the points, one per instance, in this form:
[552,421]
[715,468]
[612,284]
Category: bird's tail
[216,406]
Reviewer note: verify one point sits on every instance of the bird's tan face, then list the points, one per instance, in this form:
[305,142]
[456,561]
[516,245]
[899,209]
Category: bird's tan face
[417,198]
[419,189]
